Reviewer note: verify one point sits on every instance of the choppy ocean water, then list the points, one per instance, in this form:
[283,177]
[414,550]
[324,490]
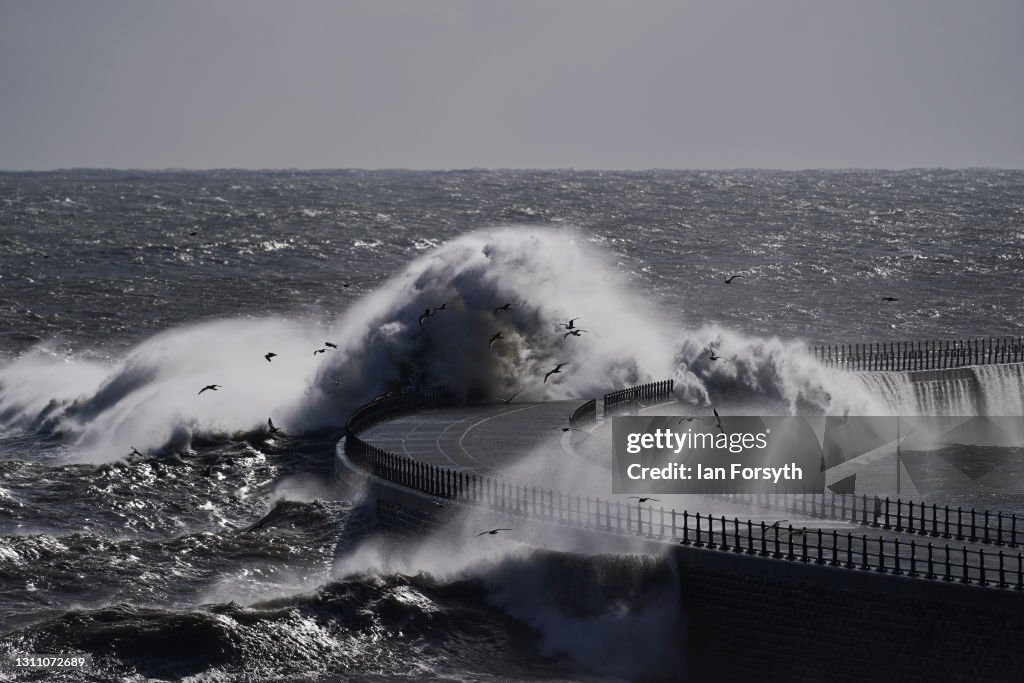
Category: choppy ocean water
[122,294]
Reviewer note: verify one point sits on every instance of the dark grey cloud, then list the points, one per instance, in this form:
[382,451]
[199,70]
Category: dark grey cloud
[454,84]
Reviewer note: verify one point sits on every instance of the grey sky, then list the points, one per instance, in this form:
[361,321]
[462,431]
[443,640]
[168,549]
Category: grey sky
[585,84]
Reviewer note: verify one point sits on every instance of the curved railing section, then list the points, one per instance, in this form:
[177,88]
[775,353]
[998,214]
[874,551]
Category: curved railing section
[632,398]
[859,552]
[921,355]
[584,416]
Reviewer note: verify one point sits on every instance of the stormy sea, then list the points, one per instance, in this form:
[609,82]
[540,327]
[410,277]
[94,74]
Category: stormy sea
[168,533]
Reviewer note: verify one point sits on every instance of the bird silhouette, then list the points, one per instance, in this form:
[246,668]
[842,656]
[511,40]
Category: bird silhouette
[729,279]
[423,316]
[718,420]
[135,452]
[644,500]
[776,524]
[330,345]
[492,532]
[712,356]
[557,370]
[319,351]
[568,429]
[509,399]
[271,427]
[494,338]
[889,298]
[569,325]
[209,387]
[575,333]
[506,307]
[442,307]
[270,355]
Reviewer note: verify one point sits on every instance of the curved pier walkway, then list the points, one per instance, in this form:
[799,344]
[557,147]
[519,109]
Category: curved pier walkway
[482,439]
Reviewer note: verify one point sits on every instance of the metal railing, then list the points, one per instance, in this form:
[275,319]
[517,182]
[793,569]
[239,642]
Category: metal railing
[907,516]
[846,550]
[633,398]
[585,415]
[921,355]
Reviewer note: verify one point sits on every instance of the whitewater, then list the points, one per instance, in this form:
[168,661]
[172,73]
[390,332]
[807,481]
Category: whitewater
[230,542]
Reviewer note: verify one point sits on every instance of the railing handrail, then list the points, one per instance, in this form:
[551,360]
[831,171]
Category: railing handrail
[585,415]
[921,355]
[882,555]
[630,398]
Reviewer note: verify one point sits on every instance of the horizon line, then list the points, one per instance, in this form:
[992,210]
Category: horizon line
[465,169]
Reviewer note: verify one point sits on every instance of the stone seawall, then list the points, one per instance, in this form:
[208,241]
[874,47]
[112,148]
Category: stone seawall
[753,619]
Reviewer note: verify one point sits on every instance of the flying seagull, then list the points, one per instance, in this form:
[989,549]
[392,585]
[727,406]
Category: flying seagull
[506,307]
[729,279]
[568,429]
[270,425]
[574,333]
[644,500]
[712,355]
[556,371]
[718,420]
[492,532]
[569,325]
[270,355]
[319,351]
[209,387]
[494,338]
[889,298]
[135,451]
[776,524]
[330,345]
[423,316]
[442,307]
[509,399]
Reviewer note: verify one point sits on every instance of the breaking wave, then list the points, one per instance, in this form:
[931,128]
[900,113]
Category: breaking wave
[149,398]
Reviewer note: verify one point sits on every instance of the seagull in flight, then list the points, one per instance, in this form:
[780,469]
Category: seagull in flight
[712,356]
[135,451]
[319,351]
[209,387]
[574,333]
[506,307]
[568,429]
[271,427]
[330,345]
[776,524]
[423,316]
[442,307]
[644,500]
[492,532]
[889,298]
[729,279]
[509,399]
[494,338]
[569,325]
[270,355]
[718,420]
[557,370]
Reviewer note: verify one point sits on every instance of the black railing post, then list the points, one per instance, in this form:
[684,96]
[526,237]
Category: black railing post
[965,577]
[736,530]
[686,529]
[698,542]
[789,538]
[764,547]
[864,552]
[849,550]
[750,537]
[881,556]
[982,579]
[1002,571]
[974,532]
[931,565]
[949,569]
[959,524]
